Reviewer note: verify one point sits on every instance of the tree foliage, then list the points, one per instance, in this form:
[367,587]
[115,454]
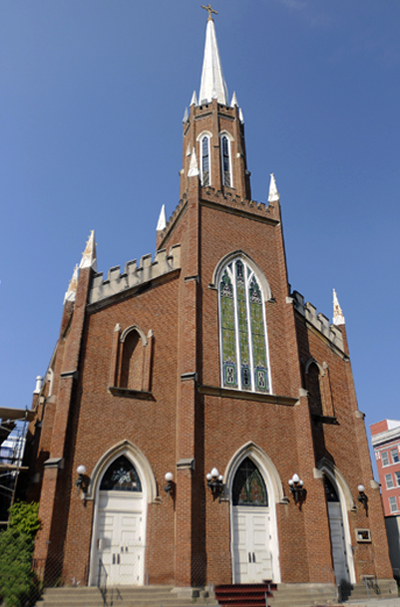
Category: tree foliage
[17,580]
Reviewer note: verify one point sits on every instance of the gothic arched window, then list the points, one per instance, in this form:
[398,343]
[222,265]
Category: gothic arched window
[243,335]
[205,160]
[132,361]
[248,486]
[226,161]
[121,475]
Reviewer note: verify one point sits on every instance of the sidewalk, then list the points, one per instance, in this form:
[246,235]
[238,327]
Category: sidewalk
[374,602]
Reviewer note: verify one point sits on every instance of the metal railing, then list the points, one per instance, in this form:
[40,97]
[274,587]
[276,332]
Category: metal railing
[102,581]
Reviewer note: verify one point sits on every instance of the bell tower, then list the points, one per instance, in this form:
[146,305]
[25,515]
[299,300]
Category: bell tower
[213,130]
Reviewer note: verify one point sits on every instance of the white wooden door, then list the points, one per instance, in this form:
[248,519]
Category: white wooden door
[120,543]
[338,544]
[251,544]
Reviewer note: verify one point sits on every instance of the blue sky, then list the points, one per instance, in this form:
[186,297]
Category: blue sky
[91,104]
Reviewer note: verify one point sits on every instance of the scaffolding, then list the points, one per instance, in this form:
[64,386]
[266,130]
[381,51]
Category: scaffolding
[13,428]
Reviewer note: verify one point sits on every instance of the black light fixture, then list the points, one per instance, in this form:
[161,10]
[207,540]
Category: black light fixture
[297,489]
[363,498]
[170,486]
[82,482]
[215,482]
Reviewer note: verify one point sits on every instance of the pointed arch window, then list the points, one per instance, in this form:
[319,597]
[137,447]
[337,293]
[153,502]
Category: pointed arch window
[248,486]
[243,334]
[205,160]
[121,475]
[226,161]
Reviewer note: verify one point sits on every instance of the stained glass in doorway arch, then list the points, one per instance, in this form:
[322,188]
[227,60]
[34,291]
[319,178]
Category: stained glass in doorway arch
[121,475]
[243,329]
[248,486]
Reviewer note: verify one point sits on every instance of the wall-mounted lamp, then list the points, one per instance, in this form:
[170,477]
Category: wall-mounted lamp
[363,498]
[82,482]
[215,482]
[297,489]
[170,486]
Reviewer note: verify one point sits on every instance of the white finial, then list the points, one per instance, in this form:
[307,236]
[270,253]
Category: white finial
[89,254]
[338,318]
[193,167]
[212,85]
[234,100]
[273,195]
[193,100]
[38,387]
[70,295]
[162,220]
[185,115]
[241,117]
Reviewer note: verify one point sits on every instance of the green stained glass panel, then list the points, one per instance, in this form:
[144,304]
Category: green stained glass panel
[228,331]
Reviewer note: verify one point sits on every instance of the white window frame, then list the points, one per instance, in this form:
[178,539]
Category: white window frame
[385,455]
[397,475]
[200,139]
[230,139]
[393,502]
[236,321]
[395,454]
[389,481]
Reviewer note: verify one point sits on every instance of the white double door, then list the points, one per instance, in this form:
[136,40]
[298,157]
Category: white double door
[120,537]
[338,542]
[252,560]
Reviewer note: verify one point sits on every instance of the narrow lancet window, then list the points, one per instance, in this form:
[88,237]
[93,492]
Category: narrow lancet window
[226,161]
[244,355]
[205,161]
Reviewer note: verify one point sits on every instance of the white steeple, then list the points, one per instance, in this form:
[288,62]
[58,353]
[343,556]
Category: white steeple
[213,85]
[89,254]
[70,295]
[162,220]
[193,167]
[338,318]
[193,100]
[273,195]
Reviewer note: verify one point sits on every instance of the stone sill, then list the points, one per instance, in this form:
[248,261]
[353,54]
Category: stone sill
[251,396]
[127,393]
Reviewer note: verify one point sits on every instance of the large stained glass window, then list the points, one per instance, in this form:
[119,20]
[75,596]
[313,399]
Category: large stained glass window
[248,486]
[121,475]
[244,358]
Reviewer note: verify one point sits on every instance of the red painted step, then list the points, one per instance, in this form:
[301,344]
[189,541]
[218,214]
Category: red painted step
[244,595]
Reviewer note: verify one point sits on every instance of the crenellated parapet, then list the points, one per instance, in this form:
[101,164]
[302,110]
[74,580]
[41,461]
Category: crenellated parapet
[264,210]
[318,321]
[134,275]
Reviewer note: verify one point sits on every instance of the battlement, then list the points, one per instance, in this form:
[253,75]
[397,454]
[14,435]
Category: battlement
[133,274]
[318,321]
[210,194]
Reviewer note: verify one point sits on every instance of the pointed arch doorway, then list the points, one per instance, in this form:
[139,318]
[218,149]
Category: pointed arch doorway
[251,526]
[119,525]
[337,533]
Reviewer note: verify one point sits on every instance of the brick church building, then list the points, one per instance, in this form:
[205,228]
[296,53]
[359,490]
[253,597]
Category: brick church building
[210,412]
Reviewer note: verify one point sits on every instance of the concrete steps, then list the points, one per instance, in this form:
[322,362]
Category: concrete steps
[124,596]
[303,595]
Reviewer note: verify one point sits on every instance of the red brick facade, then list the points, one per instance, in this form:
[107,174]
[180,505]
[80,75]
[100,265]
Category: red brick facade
[171,412]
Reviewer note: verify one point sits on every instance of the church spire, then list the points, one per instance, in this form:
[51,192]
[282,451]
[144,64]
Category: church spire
[338,318]
[213,85]
[89,254]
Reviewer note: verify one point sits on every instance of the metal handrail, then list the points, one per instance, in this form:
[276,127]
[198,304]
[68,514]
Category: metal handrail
[102,581]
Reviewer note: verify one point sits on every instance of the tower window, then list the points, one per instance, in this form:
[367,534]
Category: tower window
[244,357]
[205,161]
[226,161]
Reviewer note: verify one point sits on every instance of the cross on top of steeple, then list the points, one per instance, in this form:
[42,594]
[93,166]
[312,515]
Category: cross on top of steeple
[210,10]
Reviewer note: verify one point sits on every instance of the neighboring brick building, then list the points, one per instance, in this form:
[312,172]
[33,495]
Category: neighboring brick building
[386,443]
[197,361]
